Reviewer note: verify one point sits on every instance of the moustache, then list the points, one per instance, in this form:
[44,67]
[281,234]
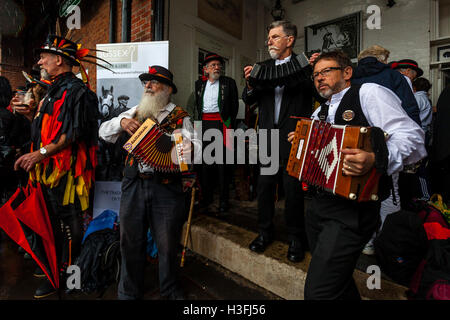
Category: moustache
[273,48]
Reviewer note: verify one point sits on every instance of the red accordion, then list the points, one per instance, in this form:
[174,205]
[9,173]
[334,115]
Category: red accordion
[156,148]
[316,159]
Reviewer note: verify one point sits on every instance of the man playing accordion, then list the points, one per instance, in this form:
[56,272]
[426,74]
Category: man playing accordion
[338,228]
[150,198]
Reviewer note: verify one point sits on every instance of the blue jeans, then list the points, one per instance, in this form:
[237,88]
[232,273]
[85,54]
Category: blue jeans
[145,204]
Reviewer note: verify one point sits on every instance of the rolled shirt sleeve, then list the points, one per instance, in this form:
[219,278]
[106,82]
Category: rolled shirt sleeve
[406,140]
[110,130]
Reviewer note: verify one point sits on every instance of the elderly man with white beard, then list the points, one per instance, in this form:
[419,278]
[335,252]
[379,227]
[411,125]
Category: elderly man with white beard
[216,99]
[149,198]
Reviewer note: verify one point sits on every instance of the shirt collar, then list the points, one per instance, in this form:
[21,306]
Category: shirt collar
[287,59]
[337,97]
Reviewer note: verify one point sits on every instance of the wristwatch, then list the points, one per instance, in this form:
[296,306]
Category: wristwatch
[43,151]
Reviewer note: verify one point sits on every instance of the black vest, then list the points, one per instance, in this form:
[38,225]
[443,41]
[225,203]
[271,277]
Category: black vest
[349,112]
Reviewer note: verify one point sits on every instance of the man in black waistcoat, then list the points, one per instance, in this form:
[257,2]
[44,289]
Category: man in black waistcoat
[279,108]
[338,228]
[216,99]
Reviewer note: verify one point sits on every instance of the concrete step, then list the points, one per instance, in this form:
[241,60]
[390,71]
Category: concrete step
[227,245]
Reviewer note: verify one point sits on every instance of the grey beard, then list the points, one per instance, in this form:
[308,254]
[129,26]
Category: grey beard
[151,105]
[214,76]
[273,54]
[44,74]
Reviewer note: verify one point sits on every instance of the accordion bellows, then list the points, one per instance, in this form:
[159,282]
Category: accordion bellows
[271,76]
[316,159]
[156,148]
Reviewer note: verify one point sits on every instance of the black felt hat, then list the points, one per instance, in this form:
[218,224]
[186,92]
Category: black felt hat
[161,74]
[211,57]
[407,63]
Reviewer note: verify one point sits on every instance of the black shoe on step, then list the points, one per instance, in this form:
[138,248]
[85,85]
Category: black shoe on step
[44,290]
[38,273]
[295,251]
[260,243]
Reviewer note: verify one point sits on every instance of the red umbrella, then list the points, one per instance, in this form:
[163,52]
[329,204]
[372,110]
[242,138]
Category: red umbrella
[25,215]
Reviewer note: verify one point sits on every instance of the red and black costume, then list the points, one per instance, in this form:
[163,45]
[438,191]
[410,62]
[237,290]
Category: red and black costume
[69,108]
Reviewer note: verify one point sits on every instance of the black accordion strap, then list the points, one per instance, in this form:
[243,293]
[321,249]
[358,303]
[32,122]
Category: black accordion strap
[323,113]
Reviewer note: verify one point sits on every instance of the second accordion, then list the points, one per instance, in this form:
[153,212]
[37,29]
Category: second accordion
[316,159]
[156,148]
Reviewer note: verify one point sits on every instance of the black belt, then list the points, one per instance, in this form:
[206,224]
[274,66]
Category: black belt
[146,175]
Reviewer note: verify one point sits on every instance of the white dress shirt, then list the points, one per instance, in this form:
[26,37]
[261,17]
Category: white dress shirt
[279,92]
[425,110]
[211,97]
[111,130]
[382,109]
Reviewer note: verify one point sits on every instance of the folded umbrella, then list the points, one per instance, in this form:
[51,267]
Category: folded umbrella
[24,218]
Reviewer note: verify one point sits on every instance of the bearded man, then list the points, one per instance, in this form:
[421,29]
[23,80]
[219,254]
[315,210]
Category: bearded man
[216,99]
[279,109]
[339,228]
[149,198]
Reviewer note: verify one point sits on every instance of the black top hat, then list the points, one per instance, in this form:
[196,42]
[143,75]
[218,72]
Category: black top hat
[212,56]
[407,63]
[63,47]
[161,74]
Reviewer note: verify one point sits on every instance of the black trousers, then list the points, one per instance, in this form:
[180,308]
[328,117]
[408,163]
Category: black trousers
[146,203]
[337,231]
[213,175]
[293,209]
[67,224]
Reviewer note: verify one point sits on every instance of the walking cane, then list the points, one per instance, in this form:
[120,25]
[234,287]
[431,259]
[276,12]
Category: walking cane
[188,227]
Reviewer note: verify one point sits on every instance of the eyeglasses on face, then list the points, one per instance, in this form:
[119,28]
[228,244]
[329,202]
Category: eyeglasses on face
[275,39]
[214,65]
[325,72]
[152,82]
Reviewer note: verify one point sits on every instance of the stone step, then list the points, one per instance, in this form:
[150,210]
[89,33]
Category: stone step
[227,245]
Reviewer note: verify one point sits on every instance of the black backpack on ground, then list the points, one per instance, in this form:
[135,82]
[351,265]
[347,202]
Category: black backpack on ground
[432,278]
[401,245]
[99,260]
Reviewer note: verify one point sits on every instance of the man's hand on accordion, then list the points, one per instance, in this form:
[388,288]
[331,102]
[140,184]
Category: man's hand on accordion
[357,162]
[129,125]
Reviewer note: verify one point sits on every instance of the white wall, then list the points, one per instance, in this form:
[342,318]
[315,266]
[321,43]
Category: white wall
[404,27]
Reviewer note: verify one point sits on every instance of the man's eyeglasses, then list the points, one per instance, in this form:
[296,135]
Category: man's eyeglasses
[325,72]
[275,39]
[214,65]
[152,82]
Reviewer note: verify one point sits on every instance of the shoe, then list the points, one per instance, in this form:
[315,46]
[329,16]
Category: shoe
[295,251]
[176,294]
[38,273]
[369,249]
[224,207]
[45,289]
[260,243]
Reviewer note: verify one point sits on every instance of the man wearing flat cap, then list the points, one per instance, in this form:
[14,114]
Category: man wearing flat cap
[151,198]
[216,99]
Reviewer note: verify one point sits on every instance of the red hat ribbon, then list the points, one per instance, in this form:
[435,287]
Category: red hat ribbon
[152,70]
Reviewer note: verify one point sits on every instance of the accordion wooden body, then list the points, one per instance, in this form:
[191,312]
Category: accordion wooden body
[316,159]
[155,148]
[297,68]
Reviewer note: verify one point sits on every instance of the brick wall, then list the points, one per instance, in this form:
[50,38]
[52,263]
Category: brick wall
[17,53]
[141,20]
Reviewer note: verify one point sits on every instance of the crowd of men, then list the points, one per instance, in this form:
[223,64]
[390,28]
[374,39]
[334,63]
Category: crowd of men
[60,132]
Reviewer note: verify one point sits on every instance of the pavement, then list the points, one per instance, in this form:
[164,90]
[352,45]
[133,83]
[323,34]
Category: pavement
[200,279]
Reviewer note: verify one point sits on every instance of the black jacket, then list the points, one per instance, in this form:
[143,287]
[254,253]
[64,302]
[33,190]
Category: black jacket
[297,102]
[370,69]
[229,104]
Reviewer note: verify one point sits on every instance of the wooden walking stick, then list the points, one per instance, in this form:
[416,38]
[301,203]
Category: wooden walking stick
[188,227]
